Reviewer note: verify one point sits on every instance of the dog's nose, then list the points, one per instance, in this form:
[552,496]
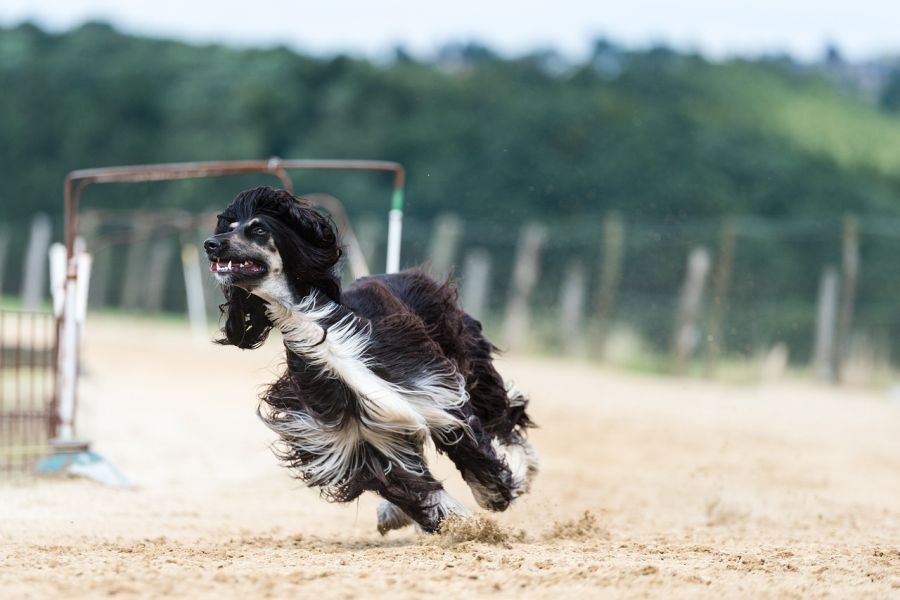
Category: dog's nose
[212,244]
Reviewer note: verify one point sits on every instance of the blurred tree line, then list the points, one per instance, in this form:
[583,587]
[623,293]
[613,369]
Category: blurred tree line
[654,134]
[668,140]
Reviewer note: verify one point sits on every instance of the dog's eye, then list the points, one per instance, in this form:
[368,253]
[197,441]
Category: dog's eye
[258,231]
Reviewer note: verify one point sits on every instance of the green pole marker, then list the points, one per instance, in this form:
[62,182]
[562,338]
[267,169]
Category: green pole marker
[397,199]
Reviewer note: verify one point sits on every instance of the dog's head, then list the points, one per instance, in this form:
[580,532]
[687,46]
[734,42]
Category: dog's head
[269,247]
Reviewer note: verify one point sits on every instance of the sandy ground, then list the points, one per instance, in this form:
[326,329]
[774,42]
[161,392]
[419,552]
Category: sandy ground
[650,487]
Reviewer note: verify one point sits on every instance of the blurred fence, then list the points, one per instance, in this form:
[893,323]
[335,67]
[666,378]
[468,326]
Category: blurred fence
[27,351]
[688,295]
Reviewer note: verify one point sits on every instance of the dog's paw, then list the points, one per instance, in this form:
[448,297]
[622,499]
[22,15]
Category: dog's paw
[492,496]
[390,517]
[522,461]
[496,493]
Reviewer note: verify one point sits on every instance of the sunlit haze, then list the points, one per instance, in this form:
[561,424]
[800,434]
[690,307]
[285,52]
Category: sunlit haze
[862,29]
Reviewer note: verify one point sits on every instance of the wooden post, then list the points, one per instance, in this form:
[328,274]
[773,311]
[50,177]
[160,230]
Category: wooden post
[720,284]
[102,276]
[475,282]
[90,224]
[369,233]
[134,278]
[774,363]
[444,244]
[850,268]
[34,279]
[525,273]
[684,341]
[156,272]
[571,309]
[610,276]
[826,326]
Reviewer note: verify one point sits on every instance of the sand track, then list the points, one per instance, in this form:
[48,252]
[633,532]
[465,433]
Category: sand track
[691,489]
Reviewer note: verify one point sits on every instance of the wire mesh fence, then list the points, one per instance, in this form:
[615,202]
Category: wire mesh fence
[605,287]
[620,286]
[27,383]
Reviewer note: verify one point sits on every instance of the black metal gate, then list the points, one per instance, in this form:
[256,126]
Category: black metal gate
[27,388]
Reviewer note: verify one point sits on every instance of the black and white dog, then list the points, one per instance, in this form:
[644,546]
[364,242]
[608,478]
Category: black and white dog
[373,372]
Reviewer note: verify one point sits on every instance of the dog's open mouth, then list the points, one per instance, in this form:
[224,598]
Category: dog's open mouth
[247,267]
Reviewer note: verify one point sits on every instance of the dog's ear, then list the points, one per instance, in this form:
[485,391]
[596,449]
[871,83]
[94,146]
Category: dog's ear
[246,323]
[313,226]
[322,250]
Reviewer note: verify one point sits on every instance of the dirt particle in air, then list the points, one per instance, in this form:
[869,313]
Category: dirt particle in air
[456,530]
[584,527]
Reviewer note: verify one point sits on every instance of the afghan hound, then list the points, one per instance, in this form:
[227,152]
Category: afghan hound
[374,371]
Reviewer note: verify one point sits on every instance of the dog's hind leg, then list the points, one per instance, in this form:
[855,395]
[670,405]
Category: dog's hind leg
[414,498]
[500,407]
[486,471]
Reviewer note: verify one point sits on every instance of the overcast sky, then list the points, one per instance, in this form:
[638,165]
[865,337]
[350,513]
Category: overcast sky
[861,28]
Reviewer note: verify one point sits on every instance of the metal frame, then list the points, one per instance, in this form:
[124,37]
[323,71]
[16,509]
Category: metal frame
[77,181]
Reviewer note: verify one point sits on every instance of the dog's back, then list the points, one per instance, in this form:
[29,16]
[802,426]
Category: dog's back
[458,334]
[432,302]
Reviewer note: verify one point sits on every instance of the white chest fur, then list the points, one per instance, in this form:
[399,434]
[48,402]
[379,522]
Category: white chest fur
[391,413]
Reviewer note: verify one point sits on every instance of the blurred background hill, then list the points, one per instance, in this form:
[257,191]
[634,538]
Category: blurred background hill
[671,148]
[654,134]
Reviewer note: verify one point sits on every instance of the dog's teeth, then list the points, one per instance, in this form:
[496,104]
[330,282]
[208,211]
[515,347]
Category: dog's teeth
[229,265]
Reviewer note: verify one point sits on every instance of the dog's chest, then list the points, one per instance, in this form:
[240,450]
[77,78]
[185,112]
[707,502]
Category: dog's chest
[334,359]
[342,401]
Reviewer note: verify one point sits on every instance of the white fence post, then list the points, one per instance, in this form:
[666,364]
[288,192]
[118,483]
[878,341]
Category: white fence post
[34,277]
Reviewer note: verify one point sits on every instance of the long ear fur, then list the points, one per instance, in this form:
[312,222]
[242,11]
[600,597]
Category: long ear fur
[246,323]
[322,252]
[315,227]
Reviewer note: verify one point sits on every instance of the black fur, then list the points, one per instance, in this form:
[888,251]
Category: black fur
[415,326]
[299,232]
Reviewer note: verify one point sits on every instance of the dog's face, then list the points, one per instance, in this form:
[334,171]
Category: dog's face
[243,252]
[269,247]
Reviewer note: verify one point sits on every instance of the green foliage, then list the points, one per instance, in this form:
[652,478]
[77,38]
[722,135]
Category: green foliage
[890,96]
[653,134]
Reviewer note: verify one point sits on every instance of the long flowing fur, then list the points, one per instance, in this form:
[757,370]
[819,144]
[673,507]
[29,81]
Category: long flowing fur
[374,372]
[389,414]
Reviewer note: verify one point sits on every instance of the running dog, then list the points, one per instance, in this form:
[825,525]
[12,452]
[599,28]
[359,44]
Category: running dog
[373,372]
